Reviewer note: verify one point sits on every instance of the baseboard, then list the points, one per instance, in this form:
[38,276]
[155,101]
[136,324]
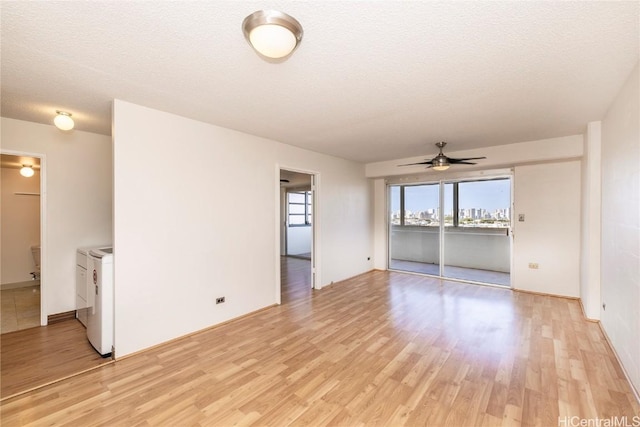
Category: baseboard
[348,278]
[584,314]
[61,317]
[624,371]
[18,285]
[181,337]
[298,257]
[544,294]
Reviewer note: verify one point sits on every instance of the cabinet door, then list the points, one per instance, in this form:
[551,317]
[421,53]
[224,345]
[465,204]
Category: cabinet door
[81,288]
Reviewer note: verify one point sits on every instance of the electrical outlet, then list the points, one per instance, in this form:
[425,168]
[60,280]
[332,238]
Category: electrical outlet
[534,265]
[521,217]
[219,300]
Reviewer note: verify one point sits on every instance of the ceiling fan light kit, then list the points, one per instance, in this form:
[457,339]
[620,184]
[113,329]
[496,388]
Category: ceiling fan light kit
[442,162]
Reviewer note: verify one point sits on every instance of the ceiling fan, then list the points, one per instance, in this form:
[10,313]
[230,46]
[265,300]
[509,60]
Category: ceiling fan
[442,162]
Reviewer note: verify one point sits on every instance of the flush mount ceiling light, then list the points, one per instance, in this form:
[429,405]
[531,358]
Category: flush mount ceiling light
[27,171]
[273,34]
[63,120]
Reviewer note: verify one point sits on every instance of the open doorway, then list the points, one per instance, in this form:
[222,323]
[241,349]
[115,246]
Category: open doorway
[20,284]
[32,342]
[297,232]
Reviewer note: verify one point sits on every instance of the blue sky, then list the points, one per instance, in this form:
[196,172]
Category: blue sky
[488,195]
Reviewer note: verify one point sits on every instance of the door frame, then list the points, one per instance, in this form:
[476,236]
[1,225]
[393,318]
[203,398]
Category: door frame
[315,227]
[504,174]
[43,227]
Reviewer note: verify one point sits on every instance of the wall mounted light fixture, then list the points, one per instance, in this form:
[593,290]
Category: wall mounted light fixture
[27,171]
[63,120]
[273,34]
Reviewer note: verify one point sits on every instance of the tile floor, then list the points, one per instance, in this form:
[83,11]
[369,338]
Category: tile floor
[461,273]
[20,308]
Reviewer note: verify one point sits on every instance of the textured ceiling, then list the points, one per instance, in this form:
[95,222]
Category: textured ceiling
[371,81]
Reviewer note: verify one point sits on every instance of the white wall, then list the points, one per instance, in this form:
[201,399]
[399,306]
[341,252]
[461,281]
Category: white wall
[549,197]
[77,189]
[20,224]
[501,156]
[591,221]
[344,222]
[620,265]
[298,240]
[177,240]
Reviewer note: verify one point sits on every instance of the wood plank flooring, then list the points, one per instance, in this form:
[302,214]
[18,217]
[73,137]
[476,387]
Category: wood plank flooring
[383,348]
[37,356]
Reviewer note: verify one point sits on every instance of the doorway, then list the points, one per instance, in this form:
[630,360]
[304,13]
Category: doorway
[28,354]
[297,207]
[21,281]
[453,229]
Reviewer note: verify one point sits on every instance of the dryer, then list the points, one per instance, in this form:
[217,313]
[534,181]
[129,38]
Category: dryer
[100,299]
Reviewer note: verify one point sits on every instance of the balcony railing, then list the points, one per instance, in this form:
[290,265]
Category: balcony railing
[486,249]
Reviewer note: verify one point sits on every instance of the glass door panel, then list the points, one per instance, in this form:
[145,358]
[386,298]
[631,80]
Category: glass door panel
[414,243]
[477,245]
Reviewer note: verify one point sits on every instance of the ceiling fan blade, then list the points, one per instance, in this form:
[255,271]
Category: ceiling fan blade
[421,163]
[284,181]
[452,160]
[463,163]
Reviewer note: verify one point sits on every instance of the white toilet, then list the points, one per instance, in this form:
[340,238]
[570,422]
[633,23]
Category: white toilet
[35,252]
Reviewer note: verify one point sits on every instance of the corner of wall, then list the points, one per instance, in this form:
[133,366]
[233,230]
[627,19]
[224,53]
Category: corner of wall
[590,224]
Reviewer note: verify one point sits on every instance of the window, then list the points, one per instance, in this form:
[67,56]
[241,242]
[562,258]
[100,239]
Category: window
[421,205]
[299,208]
[483,204]
[469,204]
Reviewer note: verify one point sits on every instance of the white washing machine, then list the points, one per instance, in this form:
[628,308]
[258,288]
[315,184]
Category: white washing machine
[100,299]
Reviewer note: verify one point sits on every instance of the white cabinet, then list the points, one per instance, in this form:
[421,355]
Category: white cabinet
[81,286]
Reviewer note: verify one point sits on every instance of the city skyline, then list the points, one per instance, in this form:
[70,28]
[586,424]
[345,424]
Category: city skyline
[489,195]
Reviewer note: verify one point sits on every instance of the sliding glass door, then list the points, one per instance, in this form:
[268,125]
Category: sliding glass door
[453,229]
[415,228]
[476,243]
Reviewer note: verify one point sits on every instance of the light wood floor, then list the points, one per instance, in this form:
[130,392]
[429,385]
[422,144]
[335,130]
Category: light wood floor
[383,348]
[37,356]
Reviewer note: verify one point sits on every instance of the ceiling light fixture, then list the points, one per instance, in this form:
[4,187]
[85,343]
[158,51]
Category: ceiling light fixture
[63,120]
[273,34]
[440,164]
[27,171]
